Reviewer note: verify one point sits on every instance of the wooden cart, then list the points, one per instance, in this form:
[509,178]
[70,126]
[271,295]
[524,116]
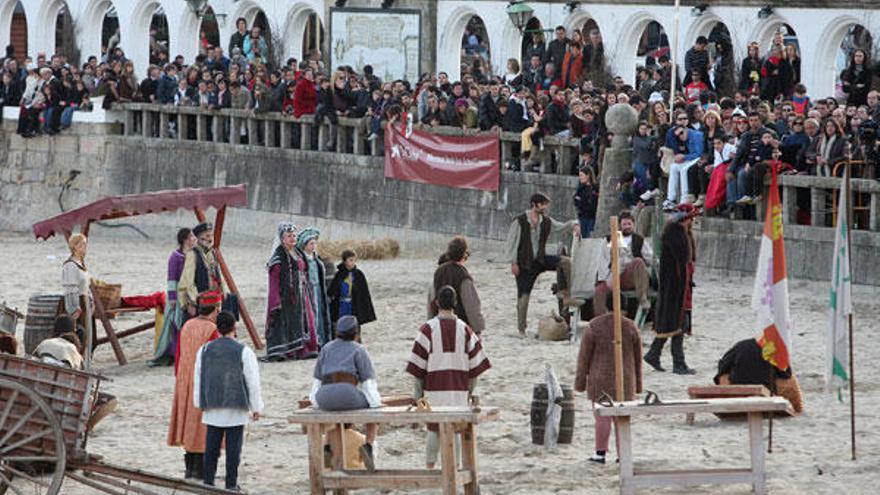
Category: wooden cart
[44,416]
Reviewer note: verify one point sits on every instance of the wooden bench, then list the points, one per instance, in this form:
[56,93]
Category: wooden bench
[448,478]
[724,392]
[754,407]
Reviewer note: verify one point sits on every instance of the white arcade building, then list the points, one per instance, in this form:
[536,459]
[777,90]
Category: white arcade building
[824,31]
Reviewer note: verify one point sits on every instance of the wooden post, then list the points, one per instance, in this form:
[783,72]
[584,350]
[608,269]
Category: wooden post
[469,458]
[227,276]
[852,379]
[448,466]
[756,441]
[618,330]
[108,329]
[626,455]
[316,459]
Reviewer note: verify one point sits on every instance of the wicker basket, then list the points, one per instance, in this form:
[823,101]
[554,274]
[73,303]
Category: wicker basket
[109,294]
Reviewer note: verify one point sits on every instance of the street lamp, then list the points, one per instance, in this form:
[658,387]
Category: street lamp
[520,13]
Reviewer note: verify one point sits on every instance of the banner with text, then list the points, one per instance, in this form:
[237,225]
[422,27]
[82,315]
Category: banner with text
[467,162]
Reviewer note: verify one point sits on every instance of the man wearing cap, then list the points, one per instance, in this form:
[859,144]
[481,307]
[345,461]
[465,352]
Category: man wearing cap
[344,379]
[674,295]
[186,428]
[201,272]
[226,387]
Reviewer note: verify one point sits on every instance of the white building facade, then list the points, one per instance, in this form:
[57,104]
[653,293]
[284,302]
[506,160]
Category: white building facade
[819,31]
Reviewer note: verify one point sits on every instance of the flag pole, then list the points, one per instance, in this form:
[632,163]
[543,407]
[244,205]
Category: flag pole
[618,330]
[673,59]
[852,379]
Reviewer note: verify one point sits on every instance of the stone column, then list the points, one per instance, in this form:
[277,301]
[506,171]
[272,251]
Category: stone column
[622,121]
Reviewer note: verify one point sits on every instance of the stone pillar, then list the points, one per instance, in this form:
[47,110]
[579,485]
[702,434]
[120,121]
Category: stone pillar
[622,121]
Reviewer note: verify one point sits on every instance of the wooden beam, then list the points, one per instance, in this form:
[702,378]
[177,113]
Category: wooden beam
[618,314]
[127,333]
[469,458]
[448,462]
[397,416]
[108,328]
[316,459]
[727,405]
[219,219]
[391,479]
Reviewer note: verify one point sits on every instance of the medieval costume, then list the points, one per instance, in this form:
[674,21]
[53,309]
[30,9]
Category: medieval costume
[201,272]
[595,370]
[317,281]
[75,284]
[290,319]
[674,295]
[166,345]
[526,246]
[743,364]
[447,357]
[349,294]
[344,379]
[186,428]
[635,257]
[468,308]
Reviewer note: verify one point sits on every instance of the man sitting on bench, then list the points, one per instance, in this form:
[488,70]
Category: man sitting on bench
[635,260]
[345,380]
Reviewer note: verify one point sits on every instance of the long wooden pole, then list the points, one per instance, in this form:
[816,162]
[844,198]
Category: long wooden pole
[615,297]
[673,59]
[852,378]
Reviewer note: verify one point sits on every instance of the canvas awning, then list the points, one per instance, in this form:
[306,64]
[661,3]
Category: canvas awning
[140,204]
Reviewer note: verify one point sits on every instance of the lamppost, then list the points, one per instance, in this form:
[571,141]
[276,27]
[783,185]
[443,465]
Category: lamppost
[520,13]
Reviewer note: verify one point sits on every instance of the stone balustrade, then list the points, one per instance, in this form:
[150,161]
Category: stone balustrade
[276,130]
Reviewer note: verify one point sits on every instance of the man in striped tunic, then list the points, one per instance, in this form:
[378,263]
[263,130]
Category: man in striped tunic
[447,358]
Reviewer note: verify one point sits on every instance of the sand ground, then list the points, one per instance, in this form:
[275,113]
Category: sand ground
[811,452]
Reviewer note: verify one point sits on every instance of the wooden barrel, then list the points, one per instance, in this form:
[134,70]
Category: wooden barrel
[539,414]
[40,320]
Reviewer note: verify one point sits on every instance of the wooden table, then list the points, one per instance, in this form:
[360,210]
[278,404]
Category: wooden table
[448,478]
[754,407]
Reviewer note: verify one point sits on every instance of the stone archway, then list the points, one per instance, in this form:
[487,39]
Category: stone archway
[626,56]
[718,34]
[764,31]
[92,40]
[47,27]
[137,35]
[14,27]
[475,47]
[826,66]
[297,40]
[450,42]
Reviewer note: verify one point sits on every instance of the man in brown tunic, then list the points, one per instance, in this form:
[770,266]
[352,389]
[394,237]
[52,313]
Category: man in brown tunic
[595,370]
[453,273]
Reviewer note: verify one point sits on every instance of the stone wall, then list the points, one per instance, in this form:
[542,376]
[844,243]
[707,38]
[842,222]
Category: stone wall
[344,195]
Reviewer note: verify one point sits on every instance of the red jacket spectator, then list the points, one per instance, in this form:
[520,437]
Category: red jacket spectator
[305,97]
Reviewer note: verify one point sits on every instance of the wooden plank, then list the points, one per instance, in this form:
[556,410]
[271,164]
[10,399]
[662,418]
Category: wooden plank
[469,458]
[726,405]
[448,463]
[756,446]
[392,479]
[719,391]
[316,459]
[691,477]
[394,416]
[624,434]
[337,445]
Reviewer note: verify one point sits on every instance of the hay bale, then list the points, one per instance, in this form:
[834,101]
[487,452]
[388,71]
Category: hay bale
[366,249]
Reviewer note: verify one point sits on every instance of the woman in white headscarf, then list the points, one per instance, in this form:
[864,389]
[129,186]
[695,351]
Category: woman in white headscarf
[290,322]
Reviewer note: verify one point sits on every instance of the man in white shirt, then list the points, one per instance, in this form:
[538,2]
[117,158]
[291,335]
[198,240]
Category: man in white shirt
[226,386]
[635,261]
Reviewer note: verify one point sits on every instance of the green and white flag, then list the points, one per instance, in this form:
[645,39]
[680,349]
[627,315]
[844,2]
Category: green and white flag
[837,363]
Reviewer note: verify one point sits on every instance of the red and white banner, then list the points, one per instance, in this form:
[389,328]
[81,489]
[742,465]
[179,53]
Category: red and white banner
[467,162]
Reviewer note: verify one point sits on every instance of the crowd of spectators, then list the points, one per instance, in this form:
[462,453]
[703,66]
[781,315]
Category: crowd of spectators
[745,119]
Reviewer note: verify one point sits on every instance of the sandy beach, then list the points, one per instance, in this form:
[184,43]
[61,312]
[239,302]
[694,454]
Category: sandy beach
[811,452]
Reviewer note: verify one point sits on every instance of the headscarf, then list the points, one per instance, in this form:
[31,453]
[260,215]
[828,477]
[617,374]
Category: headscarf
[283,228]
[306,235]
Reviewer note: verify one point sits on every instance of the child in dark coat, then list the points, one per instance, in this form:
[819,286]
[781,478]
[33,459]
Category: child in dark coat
[349,293]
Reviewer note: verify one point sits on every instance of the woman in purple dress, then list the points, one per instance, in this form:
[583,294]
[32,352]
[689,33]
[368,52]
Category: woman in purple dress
[290,320]
[166,345]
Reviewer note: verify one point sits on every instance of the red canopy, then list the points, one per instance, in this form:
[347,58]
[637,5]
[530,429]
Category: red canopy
[140,204]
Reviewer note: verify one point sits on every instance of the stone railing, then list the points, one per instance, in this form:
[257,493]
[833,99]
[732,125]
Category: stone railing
[277,130]
[824,195]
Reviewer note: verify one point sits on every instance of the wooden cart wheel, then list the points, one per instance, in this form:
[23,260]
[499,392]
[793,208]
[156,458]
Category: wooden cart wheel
[32,452]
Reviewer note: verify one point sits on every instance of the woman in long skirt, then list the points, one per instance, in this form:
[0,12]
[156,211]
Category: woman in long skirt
[290,321]
[307,242]
[166,345]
